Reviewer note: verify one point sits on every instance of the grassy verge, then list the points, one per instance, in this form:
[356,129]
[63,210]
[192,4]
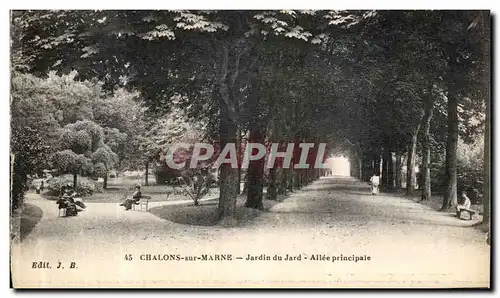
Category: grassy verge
[206,214]
[30,217]
[115,192]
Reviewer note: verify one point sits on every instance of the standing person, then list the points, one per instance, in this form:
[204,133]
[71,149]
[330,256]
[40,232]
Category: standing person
[374,182]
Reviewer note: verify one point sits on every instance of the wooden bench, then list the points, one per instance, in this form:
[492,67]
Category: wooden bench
[470,212]
[142,204]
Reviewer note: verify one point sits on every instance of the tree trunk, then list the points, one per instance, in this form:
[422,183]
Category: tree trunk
[283,178]
[245,184]
[272,189]
[376,163]
[410,162]
[367,168]
[398,170]
[238,187]
[297,179]
[238,153]
[360,165]
[353,160]
[450,196]
[388,171]
[146,175]
[227,134]
[291,179]
[385,171]
[352,166]
[255,174]
[426,148]
[228,175]
[105,182]
[75,175]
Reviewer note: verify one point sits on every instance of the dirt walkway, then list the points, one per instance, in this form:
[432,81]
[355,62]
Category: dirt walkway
[407,244]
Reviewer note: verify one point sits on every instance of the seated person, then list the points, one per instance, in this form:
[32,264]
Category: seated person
[136,197]
[67,201]
[80,206]
[65,198]
[72,197]
[464,204]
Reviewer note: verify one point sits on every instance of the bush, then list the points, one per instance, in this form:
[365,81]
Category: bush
[197,183]
[470,171]
[160,175]
[166,175]
[84,186]
[438,177]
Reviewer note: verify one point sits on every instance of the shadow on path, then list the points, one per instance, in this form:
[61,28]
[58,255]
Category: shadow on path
[346,199]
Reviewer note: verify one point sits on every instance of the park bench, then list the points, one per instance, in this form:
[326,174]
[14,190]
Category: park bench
[469,212]
[142,204]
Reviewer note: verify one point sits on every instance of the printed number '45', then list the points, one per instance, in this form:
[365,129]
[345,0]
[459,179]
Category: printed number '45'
[128,257]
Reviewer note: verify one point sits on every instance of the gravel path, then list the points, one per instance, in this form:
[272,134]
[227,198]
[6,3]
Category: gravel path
[408,244]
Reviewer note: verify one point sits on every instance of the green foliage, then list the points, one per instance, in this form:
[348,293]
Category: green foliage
[174,127]
[82,145]
[197,183]
[67,161]
[87,136]
[470,171]
[100,170]
[165,175]
[296,70]
[85,186]
[66,114]
[103,155]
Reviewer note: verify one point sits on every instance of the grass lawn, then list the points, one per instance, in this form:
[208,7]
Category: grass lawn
[30,217]
[158,193]
[206,214]
[115,192]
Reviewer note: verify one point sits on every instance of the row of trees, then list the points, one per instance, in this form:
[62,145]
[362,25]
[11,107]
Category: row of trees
[432,91]
[365,82]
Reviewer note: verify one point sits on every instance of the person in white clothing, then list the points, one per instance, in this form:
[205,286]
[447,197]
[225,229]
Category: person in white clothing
[465,203]
[374,182]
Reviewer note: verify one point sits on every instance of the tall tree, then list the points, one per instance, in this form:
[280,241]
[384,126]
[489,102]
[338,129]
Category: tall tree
[426,146]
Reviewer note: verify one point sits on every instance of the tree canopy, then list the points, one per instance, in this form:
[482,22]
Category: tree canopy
[370,84]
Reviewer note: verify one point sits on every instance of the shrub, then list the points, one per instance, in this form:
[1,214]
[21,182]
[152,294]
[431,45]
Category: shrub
[197,183]
[470,169]
[166,175]
[160,175]
[438,177]
[84,186]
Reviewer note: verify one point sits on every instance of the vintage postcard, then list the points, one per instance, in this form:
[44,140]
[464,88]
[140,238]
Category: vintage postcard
[250,149]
